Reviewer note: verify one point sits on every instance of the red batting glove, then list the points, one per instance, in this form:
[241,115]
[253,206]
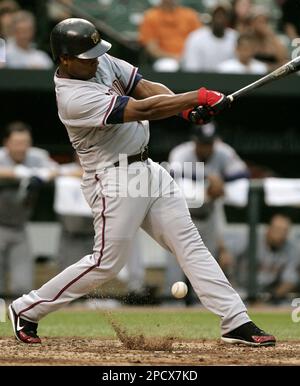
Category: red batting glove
[211,103]
[208,97]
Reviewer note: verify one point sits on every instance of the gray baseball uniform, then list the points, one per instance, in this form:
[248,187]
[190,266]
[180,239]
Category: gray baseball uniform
[88,110]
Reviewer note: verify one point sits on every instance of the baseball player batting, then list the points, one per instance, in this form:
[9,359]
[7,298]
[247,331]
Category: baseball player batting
[105,105]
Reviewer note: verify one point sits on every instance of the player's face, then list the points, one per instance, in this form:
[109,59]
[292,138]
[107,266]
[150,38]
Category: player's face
[17,145]
[82,69]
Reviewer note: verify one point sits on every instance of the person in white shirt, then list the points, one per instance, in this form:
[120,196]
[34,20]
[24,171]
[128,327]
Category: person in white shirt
[20,51]
[244,62]
[208,46]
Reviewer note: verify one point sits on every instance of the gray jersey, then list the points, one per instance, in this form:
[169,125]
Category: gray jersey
[224,161]
[84,107]
[276,266]
[273,266]
[12,209]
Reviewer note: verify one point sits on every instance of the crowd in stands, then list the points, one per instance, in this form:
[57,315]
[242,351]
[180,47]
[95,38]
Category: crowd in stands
[176,35]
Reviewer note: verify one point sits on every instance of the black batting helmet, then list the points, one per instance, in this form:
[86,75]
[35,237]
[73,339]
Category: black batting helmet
[78,38]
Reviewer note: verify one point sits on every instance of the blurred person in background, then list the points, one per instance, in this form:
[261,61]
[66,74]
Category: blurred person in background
[241,10]
[290,17]
[270,49]
[164,30]
[7,10]
[20,49]
[208,46]
[277,260]
[58,11]
[244,62]
[23,169]
[221,164]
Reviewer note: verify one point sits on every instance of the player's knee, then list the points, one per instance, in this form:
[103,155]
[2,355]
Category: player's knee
[112,268]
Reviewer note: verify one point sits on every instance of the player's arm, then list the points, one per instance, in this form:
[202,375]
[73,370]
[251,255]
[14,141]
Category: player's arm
[146,88]
[159,106]
[165,105]
[93,108]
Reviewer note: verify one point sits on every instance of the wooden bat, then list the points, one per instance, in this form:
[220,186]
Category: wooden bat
[281,72]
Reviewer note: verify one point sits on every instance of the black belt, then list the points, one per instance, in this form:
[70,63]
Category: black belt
[143,156]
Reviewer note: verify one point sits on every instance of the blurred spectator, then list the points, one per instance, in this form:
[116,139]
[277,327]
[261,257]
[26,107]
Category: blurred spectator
[244,62]
[165,29]
[7,10]
[206,47]
[57,11]
[20,49]
[277,260]
[290,17]
[23,169]
[221,164]
[270,49]
[241,10]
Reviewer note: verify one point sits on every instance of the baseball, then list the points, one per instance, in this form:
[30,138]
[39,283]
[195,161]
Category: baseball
[179,289]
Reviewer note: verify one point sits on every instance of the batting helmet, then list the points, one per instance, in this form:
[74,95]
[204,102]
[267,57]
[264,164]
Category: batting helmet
[78,38]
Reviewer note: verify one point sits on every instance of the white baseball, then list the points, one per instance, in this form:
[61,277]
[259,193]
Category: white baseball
[179,289]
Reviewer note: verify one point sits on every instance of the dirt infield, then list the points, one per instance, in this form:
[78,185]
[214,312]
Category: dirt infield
[78,351]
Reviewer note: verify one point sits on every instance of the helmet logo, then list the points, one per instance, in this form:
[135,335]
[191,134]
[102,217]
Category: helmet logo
[95,37]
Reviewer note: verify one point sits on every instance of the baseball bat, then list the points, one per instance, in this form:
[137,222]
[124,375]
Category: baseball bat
[281,72]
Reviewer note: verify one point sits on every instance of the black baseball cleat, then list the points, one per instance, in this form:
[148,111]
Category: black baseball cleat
[250,335]
[25,331]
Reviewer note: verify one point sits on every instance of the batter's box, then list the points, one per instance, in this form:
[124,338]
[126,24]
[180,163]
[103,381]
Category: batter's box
[2,51]
[2,311]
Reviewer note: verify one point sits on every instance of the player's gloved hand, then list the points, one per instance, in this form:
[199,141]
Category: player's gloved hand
[201,115]
[198,115]
[213,99]
[211,103]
